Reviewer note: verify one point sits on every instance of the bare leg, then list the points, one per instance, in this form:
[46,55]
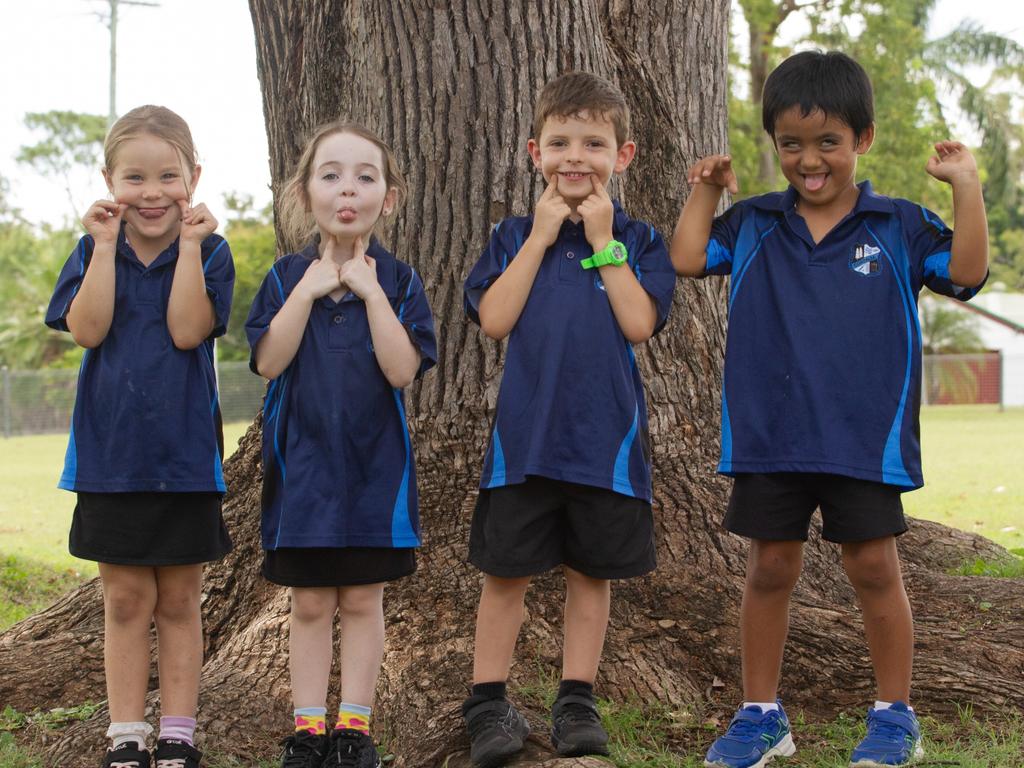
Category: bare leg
[129,600]
[773,568]
[311,643]
[498,620]
[179,631]
[362,640]
[874,570]
[587,603]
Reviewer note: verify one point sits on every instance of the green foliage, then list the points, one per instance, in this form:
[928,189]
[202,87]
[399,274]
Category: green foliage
[69,139]
[251,236]
[947,331]
[27,587]
[1001,569]
[30,262]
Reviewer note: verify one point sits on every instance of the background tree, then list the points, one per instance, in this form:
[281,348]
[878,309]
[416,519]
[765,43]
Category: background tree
[452,87]
[70,140]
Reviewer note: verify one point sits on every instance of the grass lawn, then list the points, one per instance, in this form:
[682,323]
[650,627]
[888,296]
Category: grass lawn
[973,460]
[35,516]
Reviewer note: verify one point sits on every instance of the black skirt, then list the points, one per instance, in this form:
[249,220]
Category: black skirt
[337,566]
[149,528]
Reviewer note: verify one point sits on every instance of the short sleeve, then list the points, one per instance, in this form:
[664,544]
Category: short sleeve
[931,243]
[68,283]
[500,250]
[268,302]
[654,272]
[414,314]
[722,242]
[219,274]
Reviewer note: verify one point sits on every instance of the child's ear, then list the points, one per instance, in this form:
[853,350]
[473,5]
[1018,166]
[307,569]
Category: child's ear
[624,156]
[109,179]
[865,140]
[195,177]
[534,149]
[390,199]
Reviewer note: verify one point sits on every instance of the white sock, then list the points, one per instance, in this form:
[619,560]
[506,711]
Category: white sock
[122,733]
[879,705]
[765,706]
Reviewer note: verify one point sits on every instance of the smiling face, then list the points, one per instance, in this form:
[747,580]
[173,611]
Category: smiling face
[347,189]
[150,176]
[576,146]
[818,156]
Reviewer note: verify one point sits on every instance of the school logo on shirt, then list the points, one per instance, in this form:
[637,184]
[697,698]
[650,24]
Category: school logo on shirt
[864,260]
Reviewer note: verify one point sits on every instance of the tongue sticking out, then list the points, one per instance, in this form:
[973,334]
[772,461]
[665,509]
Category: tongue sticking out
[814,182]
[347,216]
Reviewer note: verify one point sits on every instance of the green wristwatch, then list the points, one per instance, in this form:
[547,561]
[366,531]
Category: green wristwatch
[614,253]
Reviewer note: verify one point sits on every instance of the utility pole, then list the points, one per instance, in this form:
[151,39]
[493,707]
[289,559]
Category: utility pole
[111,19]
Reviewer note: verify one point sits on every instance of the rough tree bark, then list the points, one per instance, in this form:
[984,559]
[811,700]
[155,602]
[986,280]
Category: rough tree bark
[451,85]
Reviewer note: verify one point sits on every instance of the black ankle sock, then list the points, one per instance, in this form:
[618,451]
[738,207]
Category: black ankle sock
[490,690]
[575,688]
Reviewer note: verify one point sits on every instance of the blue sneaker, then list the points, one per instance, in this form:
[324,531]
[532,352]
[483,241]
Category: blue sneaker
[753,740]
[894,738]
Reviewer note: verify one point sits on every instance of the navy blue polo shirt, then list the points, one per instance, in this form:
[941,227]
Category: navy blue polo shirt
[823,357]
[146,414]
[338,467]
[571,404]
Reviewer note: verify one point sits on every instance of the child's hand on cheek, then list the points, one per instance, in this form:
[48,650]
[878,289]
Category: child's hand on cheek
[550,212]
[196,223]
[103,221]
[360,272]
[597,212]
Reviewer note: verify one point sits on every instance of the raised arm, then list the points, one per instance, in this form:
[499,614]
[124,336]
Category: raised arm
[190,313]
[708,178]
[504,300]
[634,308]
[954,164]
[276,349]
[397,356]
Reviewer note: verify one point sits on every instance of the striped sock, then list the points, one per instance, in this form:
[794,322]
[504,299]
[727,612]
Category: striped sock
[353,717]
[178,728]
[312,719]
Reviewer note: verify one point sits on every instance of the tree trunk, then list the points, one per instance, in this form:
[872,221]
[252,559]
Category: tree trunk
[451,86]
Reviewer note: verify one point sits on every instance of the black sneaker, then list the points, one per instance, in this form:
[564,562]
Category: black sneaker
[304,750]
[128,755]
[496,730]
[351,749]
[576,728]
[174,753]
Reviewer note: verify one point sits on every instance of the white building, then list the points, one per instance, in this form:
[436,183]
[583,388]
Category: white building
[999,319]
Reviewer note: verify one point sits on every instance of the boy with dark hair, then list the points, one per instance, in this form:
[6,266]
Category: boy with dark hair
[822,378]
[567,477]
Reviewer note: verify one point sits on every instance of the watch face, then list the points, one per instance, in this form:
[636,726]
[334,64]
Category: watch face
[618,253]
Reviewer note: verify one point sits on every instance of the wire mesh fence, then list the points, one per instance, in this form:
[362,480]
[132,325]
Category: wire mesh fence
[40,402]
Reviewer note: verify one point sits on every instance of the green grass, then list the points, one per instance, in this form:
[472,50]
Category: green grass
[35,516]
[972,458]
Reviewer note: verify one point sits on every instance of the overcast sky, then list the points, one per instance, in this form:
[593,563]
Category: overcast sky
[198,58]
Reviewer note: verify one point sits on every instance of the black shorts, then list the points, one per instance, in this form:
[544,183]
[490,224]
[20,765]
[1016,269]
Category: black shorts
[337,566]
[778,506]
[152,529]
[531,527]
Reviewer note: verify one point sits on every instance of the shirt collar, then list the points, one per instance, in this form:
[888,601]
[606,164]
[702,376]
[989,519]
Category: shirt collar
[124,247]
[867,201]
